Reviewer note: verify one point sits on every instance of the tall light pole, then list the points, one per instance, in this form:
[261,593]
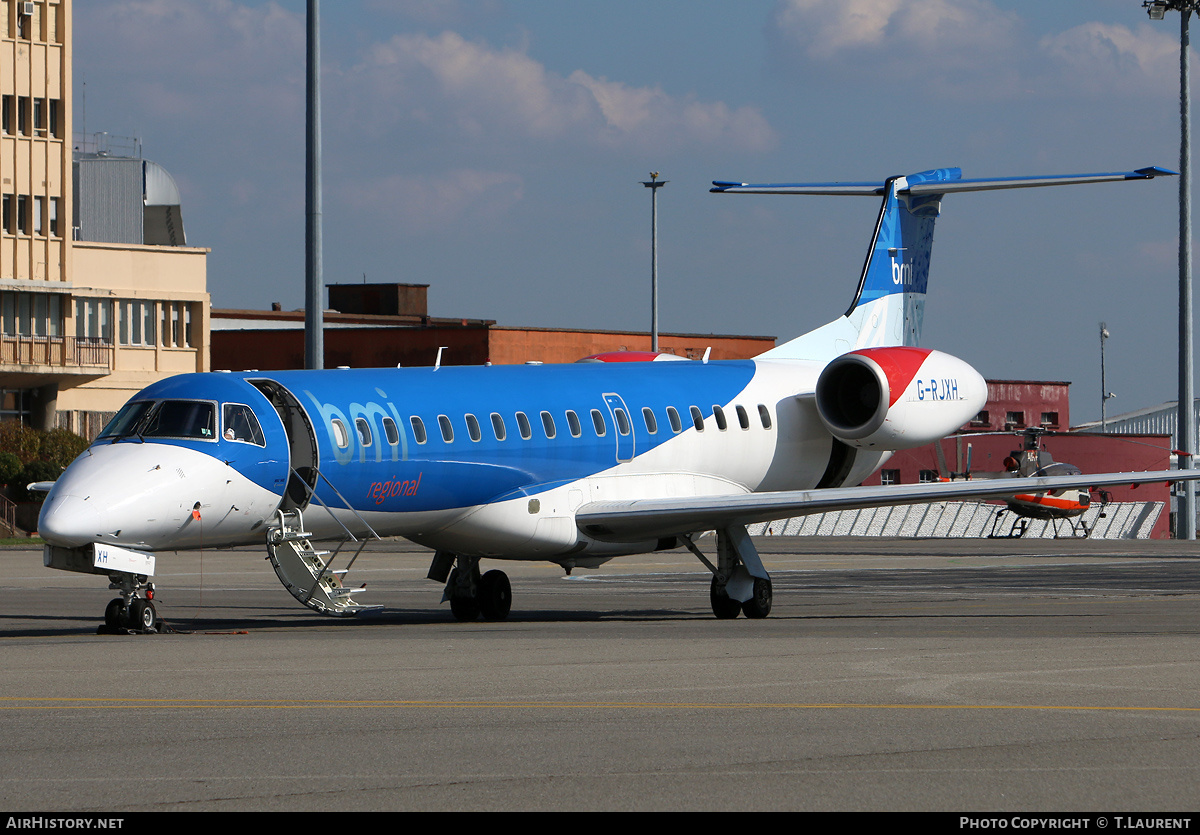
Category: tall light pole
[1104,392]
[654,185]
[1185,522]
[314,281]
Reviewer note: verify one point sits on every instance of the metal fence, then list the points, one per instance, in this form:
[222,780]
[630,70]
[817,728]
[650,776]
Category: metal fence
[1121,520]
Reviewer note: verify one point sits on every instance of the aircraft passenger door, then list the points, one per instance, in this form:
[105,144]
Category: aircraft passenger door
[302,443]
[622,423]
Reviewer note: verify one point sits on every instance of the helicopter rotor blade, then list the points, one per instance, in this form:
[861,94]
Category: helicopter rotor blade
[943,470]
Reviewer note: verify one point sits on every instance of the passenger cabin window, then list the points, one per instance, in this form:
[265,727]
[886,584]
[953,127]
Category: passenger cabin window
[241,425]
[340,436]
[523,426]
[473,427]
[573,424]
[418,426]
[743,418]
[764,416]
[364,431]
[598,423]
[719,416]
[498,427]
[447,429]
[391,431]
[548,424]
[651,421]
[697,418]
[623,425]
[673,417]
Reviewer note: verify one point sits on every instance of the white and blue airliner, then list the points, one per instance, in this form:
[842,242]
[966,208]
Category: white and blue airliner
[573,464]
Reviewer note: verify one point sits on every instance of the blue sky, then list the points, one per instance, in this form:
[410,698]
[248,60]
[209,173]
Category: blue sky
[494,149]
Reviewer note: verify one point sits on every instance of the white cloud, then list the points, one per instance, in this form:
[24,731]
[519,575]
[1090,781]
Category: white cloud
[209,57]
[932,27]
[1103,57]
[964,48]
[505,94]
[974,48]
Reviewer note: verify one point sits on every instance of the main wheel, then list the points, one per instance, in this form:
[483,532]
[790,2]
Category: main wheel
[465,609]
[495,595]
[723,606]
[114,613]
[759,605]
[142,615]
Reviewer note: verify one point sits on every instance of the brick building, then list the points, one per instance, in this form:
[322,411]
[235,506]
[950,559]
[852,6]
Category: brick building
[384,325]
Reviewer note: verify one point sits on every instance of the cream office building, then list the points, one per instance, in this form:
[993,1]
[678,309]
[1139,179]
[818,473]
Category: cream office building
[99,294]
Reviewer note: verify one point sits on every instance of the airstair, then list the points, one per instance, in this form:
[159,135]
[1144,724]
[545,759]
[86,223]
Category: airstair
[307,573]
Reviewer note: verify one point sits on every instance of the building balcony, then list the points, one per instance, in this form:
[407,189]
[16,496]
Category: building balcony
[27,361]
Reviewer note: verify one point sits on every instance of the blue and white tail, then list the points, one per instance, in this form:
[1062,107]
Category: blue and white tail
[889,306]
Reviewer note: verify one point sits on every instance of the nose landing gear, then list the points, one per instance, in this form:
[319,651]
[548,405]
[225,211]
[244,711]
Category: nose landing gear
[134,610]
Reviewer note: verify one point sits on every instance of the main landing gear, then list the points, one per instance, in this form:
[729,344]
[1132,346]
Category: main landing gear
[740,584]
[134,610]
[469,593]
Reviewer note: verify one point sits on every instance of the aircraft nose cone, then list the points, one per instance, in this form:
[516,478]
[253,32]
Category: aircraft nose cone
[69,521]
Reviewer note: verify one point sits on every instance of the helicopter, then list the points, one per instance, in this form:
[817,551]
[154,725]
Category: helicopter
[1061,508]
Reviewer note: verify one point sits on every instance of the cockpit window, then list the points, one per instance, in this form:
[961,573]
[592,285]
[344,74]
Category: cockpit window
[164,419]
[180,419]
[126,420]
[241,425]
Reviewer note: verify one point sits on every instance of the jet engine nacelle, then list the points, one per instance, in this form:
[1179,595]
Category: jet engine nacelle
[897,398]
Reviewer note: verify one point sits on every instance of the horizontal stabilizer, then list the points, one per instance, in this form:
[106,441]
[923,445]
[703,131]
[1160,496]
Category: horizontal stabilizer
[938,181]
[853,189]
[631,521]
[1035,182]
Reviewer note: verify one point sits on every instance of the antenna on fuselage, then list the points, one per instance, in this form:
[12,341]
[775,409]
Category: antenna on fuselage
[437,363]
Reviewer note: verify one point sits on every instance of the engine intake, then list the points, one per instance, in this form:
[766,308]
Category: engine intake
[898,397]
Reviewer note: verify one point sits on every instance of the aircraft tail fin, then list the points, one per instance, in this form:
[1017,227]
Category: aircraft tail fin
[889,305]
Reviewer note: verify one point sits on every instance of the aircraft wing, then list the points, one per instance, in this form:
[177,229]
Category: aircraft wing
[640,519]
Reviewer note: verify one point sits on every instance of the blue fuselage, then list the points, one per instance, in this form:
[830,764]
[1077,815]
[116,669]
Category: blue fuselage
[450,456]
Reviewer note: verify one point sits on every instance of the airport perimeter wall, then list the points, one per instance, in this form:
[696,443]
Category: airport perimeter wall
[1120,520]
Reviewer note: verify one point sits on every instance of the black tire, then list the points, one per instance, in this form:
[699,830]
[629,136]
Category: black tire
[759,605]
[114,613]
[495,595]
[142,615]
[723,606]
[464,609]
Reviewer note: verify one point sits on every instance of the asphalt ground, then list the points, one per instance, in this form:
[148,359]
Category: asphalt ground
[948,675]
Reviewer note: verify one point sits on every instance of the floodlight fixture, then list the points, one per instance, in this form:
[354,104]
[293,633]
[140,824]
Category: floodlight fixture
[654,184]
[1157,9]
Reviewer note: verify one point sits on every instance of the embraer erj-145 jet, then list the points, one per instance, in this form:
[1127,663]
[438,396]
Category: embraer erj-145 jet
[574,464]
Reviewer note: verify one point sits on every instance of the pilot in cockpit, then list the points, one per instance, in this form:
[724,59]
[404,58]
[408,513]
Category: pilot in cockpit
[241,425]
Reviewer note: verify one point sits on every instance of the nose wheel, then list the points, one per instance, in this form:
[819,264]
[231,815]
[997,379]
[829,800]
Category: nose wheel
[134,610]
[138,615]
